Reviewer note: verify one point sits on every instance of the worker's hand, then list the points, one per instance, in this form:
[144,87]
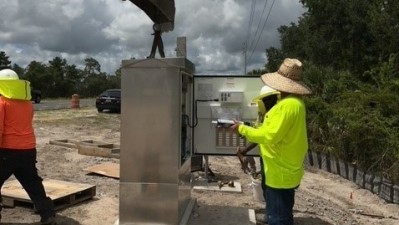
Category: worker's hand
[235,126]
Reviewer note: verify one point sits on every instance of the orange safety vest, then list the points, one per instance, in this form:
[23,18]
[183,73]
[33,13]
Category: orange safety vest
[16,128]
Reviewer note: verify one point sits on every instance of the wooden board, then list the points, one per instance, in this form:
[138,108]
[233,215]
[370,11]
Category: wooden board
[100,149]
[62,193]
[106,169]
[64,142]
[92,142]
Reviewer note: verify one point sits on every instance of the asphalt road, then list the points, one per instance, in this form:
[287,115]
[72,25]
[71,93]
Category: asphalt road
[62,104]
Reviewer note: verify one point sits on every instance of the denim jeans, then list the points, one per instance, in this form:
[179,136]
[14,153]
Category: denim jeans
[262,173]
[280,204]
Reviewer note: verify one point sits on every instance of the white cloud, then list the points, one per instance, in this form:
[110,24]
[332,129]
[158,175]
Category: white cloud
[72,9]
[113,30]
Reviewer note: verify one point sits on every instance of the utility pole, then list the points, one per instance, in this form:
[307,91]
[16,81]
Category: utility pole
[245,57]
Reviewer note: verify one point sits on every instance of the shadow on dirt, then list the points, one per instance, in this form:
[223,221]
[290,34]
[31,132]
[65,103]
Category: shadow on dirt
[298,220]
[227,215]
[60,220]
[216,215]
[310,221]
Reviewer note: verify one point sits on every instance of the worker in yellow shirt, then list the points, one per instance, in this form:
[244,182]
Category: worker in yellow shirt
[266,99]
[282,140]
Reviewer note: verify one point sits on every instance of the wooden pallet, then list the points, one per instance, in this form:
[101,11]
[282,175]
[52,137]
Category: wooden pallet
[63,194]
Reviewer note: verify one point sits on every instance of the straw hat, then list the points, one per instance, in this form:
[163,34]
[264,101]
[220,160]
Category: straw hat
[287,78]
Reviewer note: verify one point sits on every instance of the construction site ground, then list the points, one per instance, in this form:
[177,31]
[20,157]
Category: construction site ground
[321,199]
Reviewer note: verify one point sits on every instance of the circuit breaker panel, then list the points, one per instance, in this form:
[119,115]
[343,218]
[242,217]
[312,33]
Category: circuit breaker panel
[217,101]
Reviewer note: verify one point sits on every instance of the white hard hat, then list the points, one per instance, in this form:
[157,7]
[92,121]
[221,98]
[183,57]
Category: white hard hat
[7,74]
[264,92]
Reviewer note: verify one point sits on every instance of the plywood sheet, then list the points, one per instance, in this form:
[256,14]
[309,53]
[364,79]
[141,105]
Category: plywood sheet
[106,169]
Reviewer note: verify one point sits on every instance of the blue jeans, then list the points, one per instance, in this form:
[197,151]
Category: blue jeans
[262,173]
[280,204]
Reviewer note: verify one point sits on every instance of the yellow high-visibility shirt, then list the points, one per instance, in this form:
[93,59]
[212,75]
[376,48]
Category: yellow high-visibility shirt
[283,143]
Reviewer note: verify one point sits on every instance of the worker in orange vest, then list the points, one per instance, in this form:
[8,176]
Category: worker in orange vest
[18,143]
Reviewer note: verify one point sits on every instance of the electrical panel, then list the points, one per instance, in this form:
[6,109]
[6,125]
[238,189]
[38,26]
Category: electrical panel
[231,96]
[212,130]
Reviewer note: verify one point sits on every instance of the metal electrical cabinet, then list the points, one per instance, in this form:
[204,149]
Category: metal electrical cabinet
[218,98]
[156,141]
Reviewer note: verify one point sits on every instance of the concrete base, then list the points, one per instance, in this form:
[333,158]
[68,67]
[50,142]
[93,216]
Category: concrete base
[256,217]
[252,216]
[213,186]
[186,215]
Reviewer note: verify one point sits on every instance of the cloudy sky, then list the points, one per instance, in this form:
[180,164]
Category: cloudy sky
[113,30]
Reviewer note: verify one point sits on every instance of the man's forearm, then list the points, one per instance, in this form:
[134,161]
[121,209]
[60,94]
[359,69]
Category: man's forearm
[248,148]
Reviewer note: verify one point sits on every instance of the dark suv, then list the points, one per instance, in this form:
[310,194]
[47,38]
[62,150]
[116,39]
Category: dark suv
[109,100]
[36,95]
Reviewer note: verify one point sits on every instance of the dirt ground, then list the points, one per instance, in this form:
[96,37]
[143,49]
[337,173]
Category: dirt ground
[322,198]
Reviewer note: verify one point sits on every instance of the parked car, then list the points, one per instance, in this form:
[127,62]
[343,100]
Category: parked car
[36,95]
[109,100]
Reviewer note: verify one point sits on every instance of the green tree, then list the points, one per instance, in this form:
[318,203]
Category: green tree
[95,84]
[350,54]
[115,80]
[92,66]
[256,72]
[275,57]
[94,81]
[385,77]
[353,35]
[74,78]
[19,70]
[384,26]
[4,62]
[36,73]
[61,85]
